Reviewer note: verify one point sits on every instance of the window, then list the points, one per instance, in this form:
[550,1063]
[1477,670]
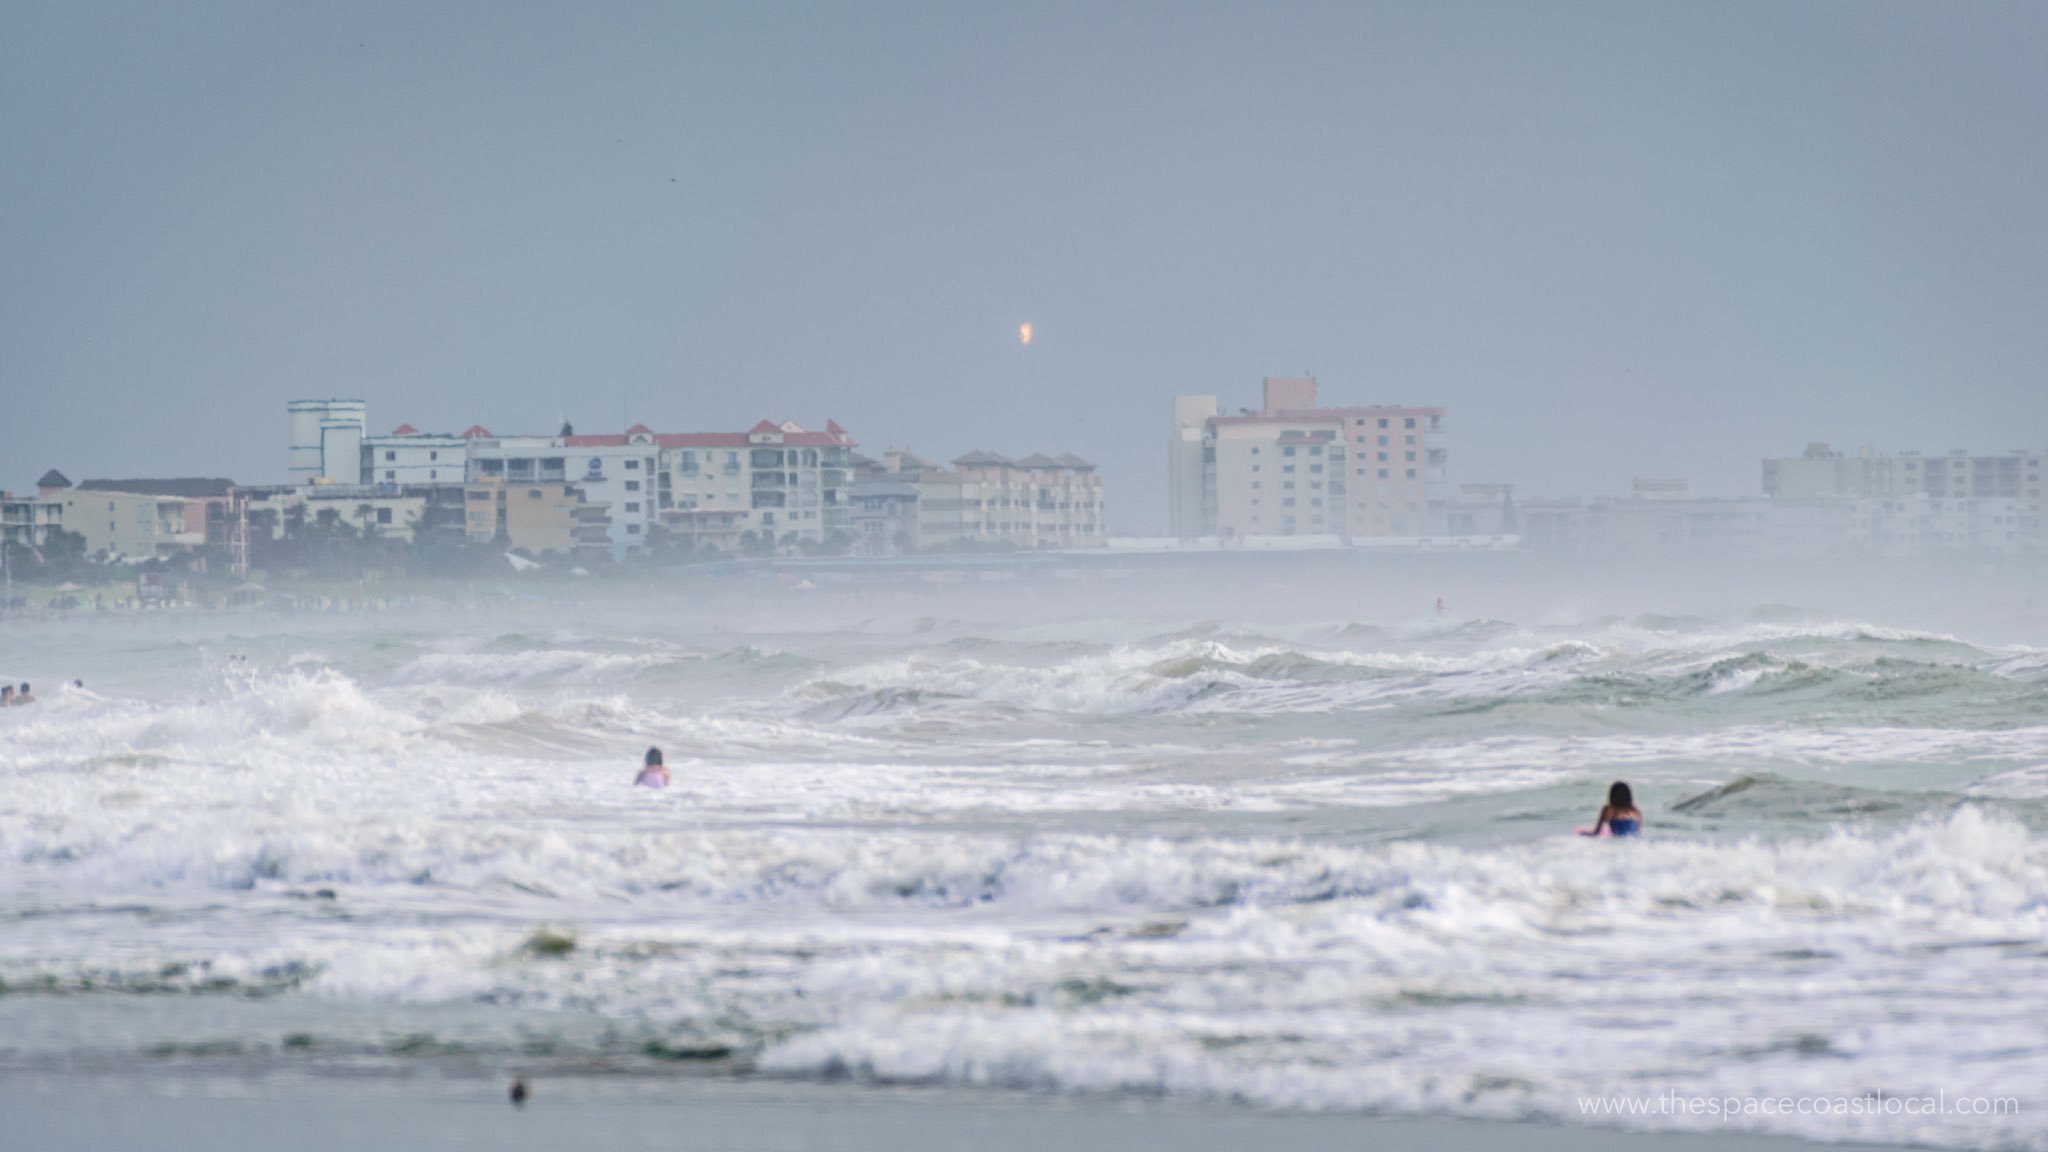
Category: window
[1383,439]
[383,515]
[1315,450]
[1255,467]
[632,529]
[1411,457]
[1288,502]
[433,455]
[1408,423]
[1411,473]
[634,485]
[1383,460]
[1383,473]
[390,456]
[1255,485]
[391,475]
[1383,422]
[1289,485]
[632,465]
[1287,468]
[632,505]
[1255,449]
[1287,451]
[433,473]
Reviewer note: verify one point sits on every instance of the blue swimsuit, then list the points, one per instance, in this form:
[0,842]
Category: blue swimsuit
[1624,827]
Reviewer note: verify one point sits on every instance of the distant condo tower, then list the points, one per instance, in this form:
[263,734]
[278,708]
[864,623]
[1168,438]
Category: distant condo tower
[327,441]
[1295,468]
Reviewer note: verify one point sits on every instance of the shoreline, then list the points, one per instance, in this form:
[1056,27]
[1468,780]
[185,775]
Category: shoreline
[175,1110]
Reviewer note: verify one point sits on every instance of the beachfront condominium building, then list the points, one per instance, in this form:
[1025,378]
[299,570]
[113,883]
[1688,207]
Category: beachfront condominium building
[774,484]
[1821,473]
[408,456]
[27,521]
[989,500]
[136,520]
[615,475]
[326,441]
[1292,468]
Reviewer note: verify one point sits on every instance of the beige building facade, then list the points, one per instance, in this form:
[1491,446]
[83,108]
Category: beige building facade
[1293,468]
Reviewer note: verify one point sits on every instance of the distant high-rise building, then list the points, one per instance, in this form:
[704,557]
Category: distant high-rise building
[1293,468]
[1822,473]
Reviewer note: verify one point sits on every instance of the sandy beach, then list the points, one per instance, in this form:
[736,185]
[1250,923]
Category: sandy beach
[174,1113]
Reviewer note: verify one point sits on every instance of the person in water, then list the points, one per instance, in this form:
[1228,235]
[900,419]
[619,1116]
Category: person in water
[1620,817]
[655,773]
[6,695]
[24,696]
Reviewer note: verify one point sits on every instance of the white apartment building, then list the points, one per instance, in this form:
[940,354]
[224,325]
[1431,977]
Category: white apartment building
[1295,469]
[409,456]
[1824,472]
[991,500]
[776,483]
[1959,475]
[615,474]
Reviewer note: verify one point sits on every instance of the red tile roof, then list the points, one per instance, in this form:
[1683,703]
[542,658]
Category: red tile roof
[639,430]
[405,430]
[475,431]
[764,426]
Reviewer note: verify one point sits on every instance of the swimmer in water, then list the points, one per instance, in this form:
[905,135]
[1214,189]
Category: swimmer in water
[24,696]
[655,774]
[1620,817]
[6,695]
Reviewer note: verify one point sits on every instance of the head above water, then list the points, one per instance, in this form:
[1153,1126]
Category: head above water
[653,757]
[1619,796]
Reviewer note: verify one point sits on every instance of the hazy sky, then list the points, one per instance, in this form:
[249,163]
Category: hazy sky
[1637,238]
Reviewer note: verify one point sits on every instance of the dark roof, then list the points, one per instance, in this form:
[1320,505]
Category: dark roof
[1038,460]
[53,479]
[979,458]
[181,486]
[1073,461]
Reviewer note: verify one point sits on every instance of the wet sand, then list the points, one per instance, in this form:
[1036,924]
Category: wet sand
[175,1112]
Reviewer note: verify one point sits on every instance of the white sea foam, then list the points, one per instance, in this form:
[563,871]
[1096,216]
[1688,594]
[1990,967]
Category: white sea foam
[1289,865]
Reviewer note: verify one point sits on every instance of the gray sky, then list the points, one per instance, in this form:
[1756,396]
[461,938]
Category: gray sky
[1637,238]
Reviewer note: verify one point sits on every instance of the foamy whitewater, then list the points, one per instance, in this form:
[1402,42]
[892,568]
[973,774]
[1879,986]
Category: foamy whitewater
[1325,864]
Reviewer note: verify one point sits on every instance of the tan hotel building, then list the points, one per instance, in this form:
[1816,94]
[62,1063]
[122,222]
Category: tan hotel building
[1295,469]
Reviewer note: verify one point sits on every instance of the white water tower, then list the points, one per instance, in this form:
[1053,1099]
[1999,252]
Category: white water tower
[327,441]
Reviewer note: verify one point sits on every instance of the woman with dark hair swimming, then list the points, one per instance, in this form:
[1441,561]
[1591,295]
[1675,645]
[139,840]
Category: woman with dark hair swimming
[655,773]
[1620,817]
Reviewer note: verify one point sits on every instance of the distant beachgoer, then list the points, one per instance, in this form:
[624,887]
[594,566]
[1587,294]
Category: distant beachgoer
[655,774]
[24,696]
[1620,817]
[6,696]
